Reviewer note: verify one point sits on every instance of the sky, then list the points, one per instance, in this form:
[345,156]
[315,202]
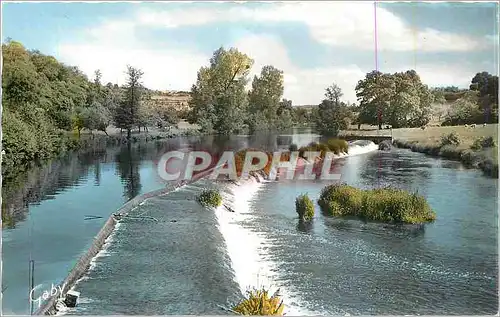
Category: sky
[314,43]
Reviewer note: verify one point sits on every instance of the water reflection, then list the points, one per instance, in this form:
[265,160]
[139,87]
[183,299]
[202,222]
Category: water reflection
[127,166]
[305,226]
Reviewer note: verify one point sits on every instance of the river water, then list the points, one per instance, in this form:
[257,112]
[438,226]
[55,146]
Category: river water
[192,260]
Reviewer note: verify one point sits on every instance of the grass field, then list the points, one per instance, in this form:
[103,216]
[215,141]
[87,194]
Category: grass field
[432,135]
[429,141]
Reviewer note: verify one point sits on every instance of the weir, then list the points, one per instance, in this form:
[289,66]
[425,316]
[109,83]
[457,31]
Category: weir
[374,138]
[49,307]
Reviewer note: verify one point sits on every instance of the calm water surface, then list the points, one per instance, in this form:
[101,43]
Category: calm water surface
[181,264]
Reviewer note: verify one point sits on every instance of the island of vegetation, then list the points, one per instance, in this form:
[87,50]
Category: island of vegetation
[210,198]
[390,205]
[304,207]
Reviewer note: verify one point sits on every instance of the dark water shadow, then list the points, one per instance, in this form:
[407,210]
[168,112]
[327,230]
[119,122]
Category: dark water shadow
[354,224]
[305,226]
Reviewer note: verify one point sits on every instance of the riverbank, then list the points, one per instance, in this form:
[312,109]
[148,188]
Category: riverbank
[428,141]
[98,141]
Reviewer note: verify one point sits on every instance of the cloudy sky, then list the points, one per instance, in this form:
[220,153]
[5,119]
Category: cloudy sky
[314,43]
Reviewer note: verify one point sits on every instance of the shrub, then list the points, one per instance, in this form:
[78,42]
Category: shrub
[337,146]
[482,143]
[450,139]
[259,303]
[390,205]
[210,198]
[304,207]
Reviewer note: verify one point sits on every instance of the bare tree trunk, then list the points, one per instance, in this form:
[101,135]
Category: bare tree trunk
[129,134]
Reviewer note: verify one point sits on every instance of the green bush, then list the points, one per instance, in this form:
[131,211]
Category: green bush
[450,139]
[210,198]
[482,143]
[337,146]
[390,205]
[304,207]
[259,303]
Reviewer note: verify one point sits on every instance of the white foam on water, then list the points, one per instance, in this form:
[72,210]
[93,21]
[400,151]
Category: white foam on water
[244,246]
[356,149]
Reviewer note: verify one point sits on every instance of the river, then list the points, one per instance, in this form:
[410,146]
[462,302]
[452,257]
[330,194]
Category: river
[191,260]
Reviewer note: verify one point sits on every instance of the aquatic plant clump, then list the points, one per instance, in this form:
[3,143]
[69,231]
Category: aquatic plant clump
[210,198]
[259,303]
[304,207]
[391,205]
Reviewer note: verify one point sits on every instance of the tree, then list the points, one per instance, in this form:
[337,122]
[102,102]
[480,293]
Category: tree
[96,117]
[264,98]
[218,98]
[465,110]
[334,93]
[332,114]
[487,86]
[127,112]
[302,116]
[398,99]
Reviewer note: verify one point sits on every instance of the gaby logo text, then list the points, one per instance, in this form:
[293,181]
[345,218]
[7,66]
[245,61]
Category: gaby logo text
[46,294]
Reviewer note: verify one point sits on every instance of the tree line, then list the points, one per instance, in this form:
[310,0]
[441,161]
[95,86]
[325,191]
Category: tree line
[47,104]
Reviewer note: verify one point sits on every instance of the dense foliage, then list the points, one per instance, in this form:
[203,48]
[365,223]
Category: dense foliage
[210,198]
[483,143]
[332,114]
[399,99]
[47,104]
[337,146]
[384,204]
[304,206]
[450,139]
[260,303]
[221,104]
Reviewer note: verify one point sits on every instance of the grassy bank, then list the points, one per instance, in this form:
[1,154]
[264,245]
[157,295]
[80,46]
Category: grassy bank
[429,141]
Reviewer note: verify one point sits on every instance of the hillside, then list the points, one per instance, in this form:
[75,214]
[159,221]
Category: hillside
[178,100]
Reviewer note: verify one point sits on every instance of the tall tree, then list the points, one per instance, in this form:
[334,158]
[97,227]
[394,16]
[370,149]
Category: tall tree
[487,86]
[127,112]
[218,98]
[332,114]
[264,98]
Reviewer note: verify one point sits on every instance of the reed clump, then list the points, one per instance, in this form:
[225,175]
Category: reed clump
[390,205]
[259,302]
